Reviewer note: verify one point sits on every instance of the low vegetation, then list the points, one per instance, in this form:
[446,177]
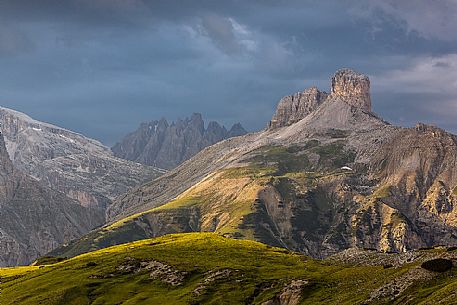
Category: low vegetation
[206,268]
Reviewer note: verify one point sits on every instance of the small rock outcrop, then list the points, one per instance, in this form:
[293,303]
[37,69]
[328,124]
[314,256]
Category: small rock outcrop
[157,271]
[352,87]
[165,145]
[293,108]
[290,294]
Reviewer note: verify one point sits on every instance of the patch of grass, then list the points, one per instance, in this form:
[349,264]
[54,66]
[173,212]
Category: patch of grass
[382,192]
[454,191]
[334,155]
[283,159]
[48,260]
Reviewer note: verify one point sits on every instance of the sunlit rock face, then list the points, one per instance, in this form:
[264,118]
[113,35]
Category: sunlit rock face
[353,87]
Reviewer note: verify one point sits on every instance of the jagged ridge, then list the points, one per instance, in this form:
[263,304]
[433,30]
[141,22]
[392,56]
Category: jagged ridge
[167,145]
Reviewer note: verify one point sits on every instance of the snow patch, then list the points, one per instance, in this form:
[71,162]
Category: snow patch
[81,169]
[67,138]
[346,168]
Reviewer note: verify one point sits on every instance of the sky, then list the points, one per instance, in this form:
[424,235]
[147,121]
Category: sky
[100,67]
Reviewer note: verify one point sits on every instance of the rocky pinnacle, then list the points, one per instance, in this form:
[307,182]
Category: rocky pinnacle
[352,87]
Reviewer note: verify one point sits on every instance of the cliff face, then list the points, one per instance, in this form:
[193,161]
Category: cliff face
[293,108]
[80,167]
[337,178]
[34,218]
[353,87]
[167,145]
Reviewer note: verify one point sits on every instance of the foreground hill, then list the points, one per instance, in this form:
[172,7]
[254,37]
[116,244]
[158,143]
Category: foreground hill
[165,145]
[206,268]
[326,175]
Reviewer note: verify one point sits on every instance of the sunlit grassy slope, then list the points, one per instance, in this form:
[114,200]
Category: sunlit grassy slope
[257,274]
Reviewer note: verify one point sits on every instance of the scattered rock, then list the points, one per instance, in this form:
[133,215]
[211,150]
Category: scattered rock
[156,269]
[211,277]
[290,295]
[165,273]
[397,286]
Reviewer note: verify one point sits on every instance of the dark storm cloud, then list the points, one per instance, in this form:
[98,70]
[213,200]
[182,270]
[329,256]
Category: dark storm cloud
[102,66]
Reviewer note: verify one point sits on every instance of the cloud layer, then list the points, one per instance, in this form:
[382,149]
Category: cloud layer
[102,66]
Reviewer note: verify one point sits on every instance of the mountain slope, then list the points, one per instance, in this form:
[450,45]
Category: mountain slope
[339,177]
[80,167]
[34,218]
[168,145]
[205,268]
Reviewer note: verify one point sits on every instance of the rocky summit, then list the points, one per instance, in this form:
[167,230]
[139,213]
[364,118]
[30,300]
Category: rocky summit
[353,87]
[165,145]
[328,175]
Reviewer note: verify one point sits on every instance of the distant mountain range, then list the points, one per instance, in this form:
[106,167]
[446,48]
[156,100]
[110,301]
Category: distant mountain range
[166,145]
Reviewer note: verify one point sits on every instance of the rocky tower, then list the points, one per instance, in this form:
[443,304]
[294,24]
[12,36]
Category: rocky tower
[352,87]
[347,85]
[293,108]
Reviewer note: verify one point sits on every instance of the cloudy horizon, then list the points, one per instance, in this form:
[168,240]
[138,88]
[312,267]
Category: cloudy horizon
[100,67]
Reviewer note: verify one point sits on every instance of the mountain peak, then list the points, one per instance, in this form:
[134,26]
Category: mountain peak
[169,146]
[348,86]
[237,130]
[353,87]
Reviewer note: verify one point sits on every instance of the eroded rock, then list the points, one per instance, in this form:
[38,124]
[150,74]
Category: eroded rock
[293,108]
[289,295]
[353,87]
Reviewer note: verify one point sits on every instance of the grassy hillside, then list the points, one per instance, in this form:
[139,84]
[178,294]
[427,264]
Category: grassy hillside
[206,268]
[275,197]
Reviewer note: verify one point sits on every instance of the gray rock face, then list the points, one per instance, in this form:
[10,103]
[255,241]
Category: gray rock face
[167,145]
[33,218]
[293,108]
[353,87]
[79,167]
